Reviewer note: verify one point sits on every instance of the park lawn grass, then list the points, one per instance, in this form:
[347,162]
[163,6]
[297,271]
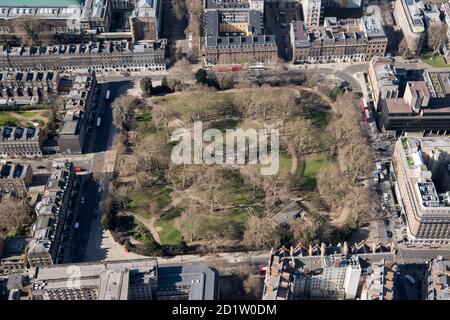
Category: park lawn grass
[310,167]
[285,162]
[6,119]
[140,201]
[168,234]
[218,221]
[27,114]
[436,61]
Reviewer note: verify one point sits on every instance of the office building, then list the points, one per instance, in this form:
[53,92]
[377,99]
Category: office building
[409,16]
[422,186]
[106,56]
[338,40]
[437,279]
[52,211]
[30,87]
[21,142]
[15,178]
[78,115]
[383,79]
[125,280]
[423,106]
[234,33]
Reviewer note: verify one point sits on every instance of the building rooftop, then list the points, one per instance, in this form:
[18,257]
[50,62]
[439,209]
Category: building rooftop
[199,280]
[19,134]
[40,3]
[439,279]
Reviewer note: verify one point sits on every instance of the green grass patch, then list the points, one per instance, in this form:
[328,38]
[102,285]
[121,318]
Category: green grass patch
[7,119]
[27,114]
[168,234]
[309,168]
[222,125]
[436,61]
[149,202]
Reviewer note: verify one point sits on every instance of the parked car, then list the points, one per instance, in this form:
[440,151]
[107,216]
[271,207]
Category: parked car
[389,233]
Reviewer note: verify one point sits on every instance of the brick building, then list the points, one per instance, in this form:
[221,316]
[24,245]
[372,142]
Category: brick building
[338,40]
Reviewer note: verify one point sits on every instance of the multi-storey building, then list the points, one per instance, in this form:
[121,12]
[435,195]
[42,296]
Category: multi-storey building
[12,255]
[29,87]
[424,106]
[338,40]
[380,281]
[408,14]
[146,21]
[21,142]
[421,167]
[125,280]
[383,79]
[313,9]
[15,178]
[51,212]
[56,17]
[437,279]
[106,56]
[78,115]
[319,272]
[312,12]
[234,33]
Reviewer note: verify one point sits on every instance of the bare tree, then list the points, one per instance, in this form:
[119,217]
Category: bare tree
[331,186]
[342,3]
[254,286]
[179,9]
[123,110]
[261,233]
[32,31]
[14,214]
[437,36]
[181,70]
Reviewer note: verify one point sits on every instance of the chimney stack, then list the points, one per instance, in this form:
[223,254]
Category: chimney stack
[345,248]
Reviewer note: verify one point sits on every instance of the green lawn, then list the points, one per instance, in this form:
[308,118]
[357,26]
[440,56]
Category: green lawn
[168,234]
[437,61]
[7,119]
[26,114]
[310,167]
[141,202]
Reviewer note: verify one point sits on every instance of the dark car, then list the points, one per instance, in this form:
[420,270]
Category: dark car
[389,234]
[41,167]
[386,221]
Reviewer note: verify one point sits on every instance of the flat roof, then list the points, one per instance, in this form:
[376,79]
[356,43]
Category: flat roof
[40,3]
